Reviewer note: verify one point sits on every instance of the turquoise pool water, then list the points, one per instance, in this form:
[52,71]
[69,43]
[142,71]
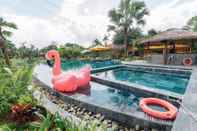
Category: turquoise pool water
[100,95]
[164,81]
[76,64]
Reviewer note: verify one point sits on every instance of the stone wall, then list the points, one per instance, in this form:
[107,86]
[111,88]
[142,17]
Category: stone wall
[173,59]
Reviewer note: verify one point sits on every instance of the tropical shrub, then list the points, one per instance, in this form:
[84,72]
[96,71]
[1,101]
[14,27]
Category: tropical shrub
[57,123]
[13,87]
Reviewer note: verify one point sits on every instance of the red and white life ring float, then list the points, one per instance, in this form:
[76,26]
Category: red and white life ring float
[187,61]
[170,114]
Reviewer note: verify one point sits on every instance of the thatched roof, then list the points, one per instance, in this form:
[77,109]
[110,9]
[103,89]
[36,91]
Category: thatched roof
[171,34]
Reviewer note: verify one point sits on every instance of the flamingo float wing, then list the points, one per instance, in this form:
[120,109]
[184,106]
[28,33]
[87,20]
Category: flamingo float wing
[83,78]
[66,84]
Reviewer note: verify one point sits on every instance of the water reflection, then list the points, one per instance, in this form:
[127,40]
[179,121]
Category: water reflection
[124,99]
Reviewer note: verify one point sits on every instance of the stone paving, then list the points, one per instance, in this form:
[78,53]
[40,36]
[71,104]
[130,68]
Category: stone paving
[187,116]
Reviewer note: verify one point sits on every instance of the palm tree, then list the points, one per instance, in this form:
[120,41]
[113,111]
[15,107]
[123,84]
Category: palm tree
[129,15]
[4,34]
[133,35]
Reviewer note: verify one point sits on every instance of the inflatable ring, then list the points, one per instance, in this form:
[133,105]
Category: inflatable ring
[170,114]
[187,61]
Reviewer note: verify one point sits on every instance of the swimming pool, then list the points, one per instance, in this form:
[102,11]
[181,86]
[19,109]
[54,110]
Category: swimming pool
[117,104]
[76,64]
[173,82]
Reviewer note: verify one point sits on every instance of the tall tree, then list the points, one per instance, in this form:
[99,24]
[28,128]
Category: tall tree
[133,34]
[192,24]
[5,34]
[128,15]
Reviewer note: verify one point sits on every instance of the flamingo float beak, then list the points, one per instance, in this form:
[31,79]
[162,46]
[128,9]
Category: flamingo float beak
[46,56]
[48,60]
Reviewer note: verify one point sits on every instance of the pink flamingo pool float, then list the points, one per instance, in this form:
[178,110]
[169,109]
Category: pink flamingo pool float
[71,81]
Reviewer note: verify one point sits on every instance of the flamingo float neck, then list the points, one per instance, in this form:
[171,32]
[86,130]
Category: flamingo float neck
[57,65]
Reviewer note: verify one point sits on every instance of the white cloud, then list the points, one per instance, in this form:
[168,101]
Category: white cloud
[68,25]
[172,15]
[82,21]
[37,31]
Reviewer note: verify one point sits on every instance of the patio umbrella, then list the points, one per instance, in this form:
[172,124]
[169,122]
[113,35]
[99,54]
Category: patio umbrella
[99,48]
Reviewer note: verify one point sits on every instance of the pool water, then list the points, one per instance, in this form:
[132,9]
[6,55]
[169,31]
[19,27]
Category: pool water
[100,95]
[76,64]
[97,94]
[174,83]
[106,96]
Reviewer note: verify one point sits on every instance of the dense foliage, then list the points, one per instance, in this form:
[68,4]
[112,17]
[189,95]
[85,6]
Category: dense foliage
[13,86]
[56,123]
[5,33]
[70,50]
[133,35]
[192,24]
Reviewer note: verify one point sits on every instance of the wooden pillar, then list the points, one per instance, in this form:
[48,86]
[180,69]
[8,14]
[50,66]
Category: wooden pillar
[149,52]
[165,53]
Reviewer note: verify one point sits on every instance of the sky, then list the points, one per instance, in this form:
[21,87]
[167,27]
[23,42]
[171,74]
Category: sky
[81,21]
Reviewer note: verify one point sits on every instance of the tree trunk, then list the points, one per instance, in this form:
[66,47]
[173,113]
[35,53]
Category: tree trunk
[4,49]
[6,56]
[126,41]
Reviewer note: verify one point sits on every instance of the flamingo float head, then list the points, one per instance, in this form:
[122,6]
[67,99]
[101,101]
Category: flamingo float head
[52,54]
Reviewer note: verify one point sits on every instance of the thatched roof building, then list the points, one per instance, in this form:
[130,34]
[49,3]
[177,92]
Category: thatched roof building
[170,41]
[170,35]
